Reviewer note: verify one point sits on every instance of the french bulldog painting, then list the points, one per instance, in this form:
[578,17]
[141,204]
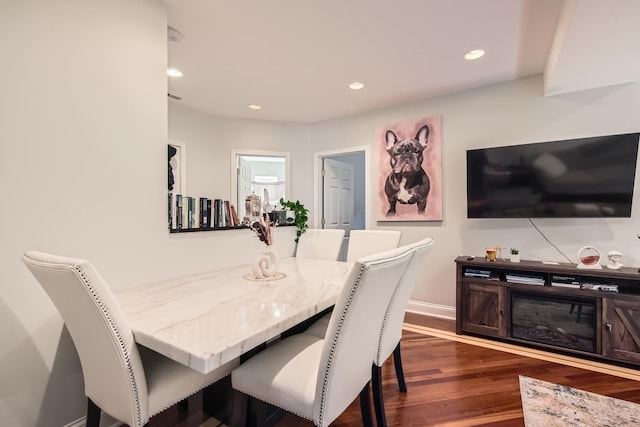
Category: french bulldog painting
[409,165]
[408,183]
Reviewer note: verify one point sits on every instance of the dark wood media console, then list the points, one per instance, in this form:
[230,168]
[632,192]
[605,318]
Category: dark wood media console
[543,305]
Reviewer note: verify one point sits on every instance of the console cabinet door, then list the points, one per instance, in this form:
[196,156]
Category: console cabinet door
[483,309]
[621,329]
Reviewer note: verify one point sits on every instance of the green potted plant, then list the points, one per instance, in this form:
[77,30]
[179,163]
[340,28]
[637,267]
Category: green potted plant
[515,255]
[301,215]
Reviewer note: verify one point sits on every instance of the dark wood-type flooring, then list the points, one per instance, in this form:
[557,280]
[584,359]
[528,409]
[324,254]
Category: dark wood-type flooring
[449,384]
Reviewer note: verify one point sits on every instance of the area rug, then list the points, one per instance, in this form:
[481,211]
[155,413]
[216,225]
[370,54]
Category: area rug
[546,404]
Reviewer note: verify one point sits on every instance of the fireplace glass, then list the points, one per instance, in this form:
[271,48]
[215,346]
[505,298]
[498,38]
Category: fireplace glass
[568,322]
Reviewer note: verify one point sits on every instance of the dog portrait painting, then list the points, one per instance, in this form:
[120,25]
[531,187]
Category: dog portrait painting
[409,184]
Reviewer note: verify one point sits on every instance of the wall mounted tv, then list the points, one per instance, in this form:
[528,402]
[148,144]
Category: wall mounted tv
[586,177]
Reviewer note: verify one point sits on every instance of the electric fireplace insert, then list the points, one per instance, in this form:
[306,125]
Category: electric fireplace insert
[562,321]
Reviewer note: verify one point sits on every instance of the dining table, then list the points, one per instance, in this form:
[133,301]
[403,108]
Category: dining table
[206,320]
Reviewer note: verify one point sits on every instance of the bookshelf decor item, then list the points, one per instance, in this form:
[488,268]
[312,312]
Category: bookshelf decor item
[514,255]
[589,258]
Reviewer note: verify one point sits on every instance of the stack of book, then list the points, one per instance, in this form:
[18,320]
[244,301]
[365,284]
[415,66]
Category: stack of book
[525,279]
[476,272]
[565,281]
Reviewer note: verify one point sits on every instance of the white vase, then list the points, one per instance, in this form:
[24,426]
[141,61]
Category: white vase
[515,258]
[266,265]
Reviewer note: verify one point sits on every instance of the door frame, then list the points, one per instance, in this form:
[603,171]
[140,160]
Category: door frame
[318,157]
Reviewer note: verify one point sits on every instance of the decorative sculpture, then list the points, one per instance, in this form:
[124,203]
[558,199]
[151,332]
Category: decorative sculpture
[614,260]
[252,209]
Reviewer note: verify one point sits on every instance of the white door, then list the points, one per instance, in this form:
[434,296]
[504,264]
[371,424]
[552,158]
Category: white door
[337,202]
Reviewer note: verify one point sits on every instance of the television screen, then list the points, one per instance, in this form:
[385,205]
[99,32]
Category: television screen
[586,177]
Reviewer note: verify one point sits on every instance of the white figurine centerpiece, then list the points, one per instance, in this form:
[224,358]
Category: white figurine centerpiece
[265,267]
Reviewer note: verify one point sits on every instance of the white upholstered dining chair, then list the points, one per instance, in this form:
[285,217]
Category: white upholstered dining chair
[318,378]
[391,329]
[320,243]
[128,382]
[367,242]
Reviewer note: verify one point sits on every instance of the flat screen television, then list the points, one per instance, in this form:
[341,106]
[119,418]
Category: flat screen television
[585,177]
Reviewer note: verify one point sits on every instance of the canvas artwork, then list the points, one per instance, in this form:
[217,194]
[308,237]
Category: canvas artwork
[409,170]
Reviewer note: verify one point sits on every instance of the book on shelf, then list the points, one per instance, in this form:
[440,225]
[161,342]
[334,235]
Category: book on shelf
[202,212]
[190,208]
[209,213]
[566,285]
[524,279]
[481,274]
[227,214]
[178,212]
[196,213]
[234,214]
[478,271]
[171,207]
[217,221]
[565,281]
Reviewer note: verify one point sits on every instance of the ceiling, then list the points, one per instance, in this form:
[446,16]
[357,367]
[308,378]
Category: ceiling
[296,58]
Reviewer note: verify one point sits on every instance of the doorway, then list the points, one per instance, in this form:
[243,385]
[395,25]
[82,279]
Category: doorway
[341,191]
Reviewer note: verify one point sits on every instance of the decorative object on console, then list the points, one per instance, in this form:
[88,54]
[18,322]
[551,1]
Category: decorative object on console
[614,260]
[494,253]
[265,267]
[514,255]
[301,215]
[589,258]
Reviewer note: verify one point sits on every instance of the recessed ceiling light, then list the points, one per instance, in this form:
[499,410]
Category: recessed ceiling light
[172,72]
[474,54]
[356,86]
[255,107]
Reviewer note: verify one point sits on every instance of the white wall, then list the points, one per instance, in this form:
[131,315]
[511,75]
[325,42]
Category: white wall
[503,114]
[84,134]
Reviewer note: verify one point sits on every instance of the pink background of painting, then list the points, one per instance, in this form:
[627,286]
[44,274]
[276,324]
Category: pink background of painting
[431,163]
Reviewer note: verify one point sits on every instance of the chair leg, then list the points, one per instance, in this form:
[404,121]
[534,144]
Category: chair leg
[397,362]
[183,405]
[93,414]
[365,407]
[239,412]
[378,398]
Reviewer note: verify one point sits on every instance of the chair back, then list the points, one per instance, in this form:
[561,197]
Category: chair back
[320,243]
[352,335]
[391,330]
[114,377]
[367,242]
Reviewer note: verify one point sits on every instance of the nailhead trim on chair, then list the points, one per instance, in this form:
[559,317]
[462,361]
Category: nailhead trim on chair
[384,324]
[105,312]
[323,398]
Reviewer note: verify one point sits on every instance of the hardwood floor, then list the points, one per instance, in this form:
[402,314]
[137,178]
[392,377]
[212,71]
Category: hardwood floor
[458,381]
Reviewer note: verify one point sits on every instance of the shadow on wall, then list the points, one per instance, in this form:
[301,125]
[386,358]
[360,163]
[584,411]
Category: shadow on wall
[28,382]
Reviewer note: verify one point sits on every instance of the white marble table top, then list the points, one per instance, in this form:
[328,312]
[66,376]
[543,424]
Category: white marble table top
[206,320]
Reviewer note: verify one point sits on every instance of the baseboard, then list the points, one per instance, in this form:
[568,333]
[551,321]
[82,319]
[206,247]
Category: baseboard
[105,421]
[435,310]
